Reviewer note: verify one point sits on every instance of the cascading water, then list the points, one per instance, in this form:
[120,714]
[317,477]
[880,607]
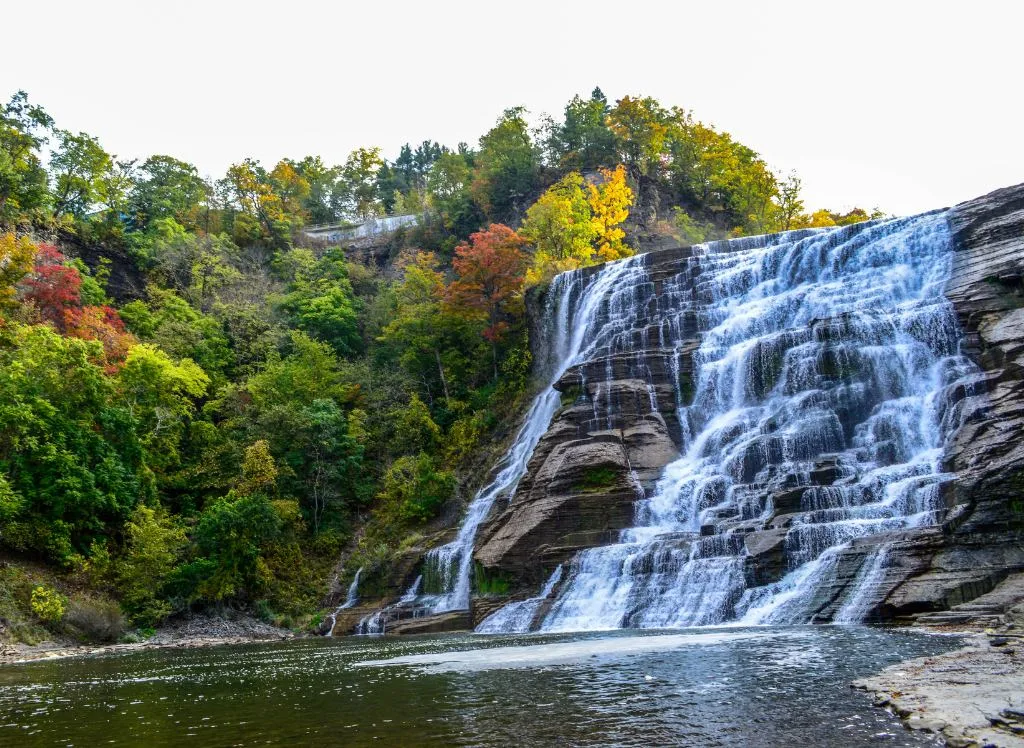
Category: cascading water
[582,305]
[351,598]
[828,352]
[517,616]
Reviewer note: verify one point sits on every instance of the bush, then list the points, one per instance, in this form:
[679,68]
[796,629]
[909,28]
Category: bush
[415,490]
[95,619]
[48,604]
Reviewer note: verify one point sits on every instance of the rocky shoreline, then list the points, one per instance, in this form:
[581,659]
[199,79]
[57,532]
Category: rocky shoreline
[187,633]
[969,698]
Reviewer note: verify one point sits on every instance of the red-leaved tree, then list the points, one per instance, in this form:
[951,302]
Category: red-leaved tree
[53,288]
[489,286]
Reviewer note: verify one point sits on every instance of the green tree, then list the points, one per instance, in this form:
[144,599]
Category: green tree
[165,187]
[561,228]
[640,126]
[507,167]
[23,179]
[68,448]
[78,168]
[154,543]
[414,489]
[320,301]
[230,538]
[584,140]
[360,176]
[160,394]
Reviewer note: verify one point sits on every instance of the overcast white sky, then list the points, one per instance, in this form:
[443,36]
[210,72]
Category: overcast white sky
[901,105]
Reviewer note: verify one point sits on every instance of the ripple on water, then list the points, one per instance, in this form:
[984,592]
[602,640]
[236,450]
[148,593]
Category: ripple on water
[739,686]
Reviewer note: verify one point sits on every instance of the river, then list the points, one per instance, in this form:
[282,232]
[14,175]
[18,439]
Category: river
[731,686]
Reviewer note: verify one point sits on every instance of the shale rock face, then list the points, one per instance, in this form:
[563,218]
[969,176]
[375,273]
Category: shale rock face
[983,535]
[618,428]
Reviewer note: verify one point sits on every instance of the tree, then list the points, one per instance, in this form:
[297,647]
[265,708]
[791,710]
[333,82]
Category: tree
[584,140]
[448,190]
[78,167]
[231,534]
[489,282]
[561,229]
[292,187]
[160,394]
[325,201]
[154,543]
[321,302]
[437,348]
[16,255]
[53,288]
[790,204]
[610,200]
[251,190]
[506,167]
[360,176]
[165,187]
[23,181]
[640,126]
[414,489]
[68,447]
[259,473]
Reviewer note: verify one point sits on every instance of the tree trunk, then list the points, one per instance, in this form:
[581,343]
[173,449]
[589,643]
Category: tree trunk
[440,370]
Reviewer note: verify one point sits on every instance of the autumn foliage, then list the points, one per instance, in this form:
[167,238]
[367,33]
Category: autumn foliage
[489,281]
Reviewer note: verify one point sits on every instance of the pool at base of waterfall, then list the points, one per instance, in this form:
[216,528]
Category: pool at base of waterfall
[729,686]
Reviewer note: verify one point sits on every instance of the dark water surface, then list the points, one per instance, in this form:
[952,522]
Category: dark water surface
[701,687]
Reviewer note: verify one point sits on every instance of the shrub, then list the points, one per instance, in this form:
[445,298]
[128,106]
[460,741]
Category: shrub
[48,604]
[95,619]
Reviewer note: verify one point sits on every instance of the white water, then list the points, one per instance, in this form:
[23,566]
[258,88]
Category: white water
[350,600]
[837,345]
[870,576]
[517,617]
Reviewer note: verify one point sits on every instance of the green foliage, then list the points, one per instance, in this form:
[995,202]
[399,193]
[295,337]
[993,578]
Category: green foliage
[69,446]
[166,188]
[414,489]
[48,604]
[23,179]
[230,535]
[485,583]
[506,167]
[153,545]
[321,302]
[597,479]
[77,166]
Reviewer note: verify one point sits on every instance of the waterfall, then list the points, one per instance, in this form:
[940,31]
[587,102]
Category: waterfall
[815,353]
[518,617]
[581,304]
[350,600]
[870,576]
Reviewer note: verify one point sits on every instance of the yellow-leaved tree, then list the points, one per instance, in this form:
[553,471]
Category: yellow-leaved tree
[576,223]
[610,202]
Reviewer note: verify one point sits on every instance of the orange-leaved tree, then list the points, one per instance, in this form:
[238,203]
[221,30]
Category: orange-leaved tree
[489,286]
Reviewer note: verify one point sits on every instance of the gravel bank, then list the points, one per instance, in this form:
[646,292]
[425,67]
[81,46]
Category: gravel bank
[193,631]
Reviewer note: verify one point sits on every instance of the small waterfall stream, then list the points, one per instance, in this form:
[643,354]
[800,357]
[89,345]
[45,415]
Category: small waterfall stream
[351,598]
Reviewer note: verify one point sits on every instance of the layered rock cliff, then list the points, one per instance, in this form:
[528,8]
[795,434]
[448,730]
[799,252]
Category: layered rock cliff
[618,428]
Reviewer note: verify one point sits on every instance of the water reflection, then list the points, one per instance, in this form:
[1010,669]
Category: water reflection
[751,687]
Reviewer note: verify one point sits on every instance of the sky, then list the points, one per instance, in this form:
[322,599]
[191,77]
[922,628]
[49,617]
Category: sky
[900,105]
